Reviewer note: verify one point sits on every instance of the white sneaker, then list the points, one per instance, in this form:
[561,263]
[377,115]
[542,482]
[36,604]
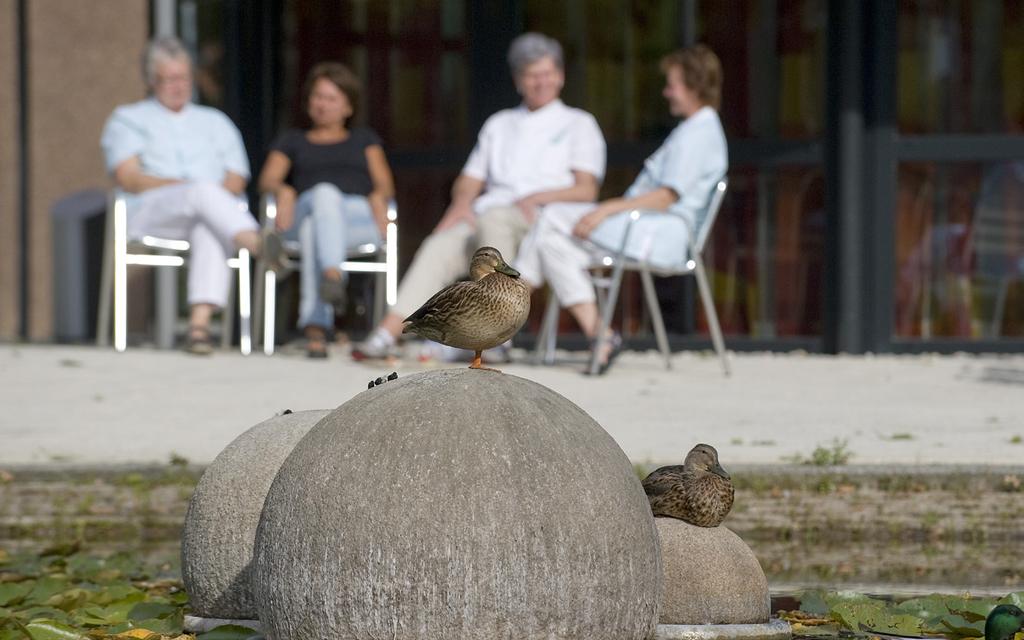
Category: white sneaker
[377,346]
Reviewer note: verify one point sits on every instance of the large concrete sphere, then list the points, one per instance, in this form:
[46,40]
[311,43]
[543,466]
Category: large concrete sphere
[457,504]
[711,576]
[220,526]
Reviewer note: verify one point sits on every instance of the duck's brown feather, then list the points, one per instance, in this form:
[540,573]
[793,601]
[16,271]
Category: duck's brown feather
[473,315]
[695,496]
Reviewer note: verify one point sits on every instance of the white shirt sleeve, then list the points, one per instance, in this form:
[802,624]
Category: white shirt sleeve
[121,139]
[588,152]
[479,158]
[687,156]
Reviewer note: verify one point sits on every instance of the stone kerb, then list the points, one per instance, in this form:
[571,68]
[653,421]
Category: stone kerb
[711,577]
[457,504]
[220,526]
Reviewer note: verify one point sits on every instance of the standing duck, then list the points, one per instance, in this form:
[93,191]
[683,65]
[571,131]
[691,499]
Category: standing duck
[699,491]
[479,314]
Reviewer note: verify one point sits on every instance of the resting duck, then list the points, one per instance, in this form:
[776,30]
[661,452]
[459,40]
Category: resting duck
[479,314]
[1004,622]
[699,491]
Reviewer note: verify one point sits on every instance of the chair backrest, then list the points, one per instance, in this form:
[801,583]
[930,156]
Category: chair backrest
[997,230]
[706,220]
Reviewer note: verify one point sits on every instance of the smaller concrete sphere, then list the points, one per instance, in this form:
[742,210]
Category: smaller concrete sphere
[220,526]
[711,576]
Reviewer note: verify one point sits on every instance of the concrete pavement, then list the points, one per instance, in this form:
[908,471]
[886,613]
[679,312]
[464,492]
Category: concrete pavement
[83,405]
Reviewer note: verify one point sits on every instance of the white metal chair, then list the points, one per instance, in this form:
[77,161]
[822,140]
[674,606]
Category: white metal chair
[608,289]
[381,260]
[119,252]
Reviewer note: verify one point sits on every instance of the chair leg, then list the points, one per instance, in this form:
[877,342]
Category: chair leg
[656,319]
[120,277]
[257,298]
[166,304]
[227,318]
[711,314]
[380,281]
[244,303]
[106,284]
[607,311]
[547,338]
[269,311]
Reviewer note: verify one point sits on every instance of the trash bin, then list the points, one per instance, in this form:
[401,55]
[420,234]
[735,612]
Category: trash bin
[78,228]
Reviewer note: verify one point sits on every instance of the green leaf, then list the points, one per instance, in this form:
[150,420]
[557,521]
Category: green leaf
[13,592]
[46,588]
[50,630]
[968,615]
[70,600]
[39,613]
[120,592]
[1016,598]
[228,632]
[876,616]
[961,627]
[151,610]
[169,626]
[814,602]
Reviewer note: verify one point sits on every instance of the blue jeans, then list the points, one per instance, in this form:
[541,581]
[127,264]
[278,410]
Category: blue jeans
[328,224]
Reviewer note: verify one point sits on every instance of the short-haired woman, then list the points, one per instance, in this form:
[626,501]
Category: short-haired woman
[677,181]
[526,159]
[334,178]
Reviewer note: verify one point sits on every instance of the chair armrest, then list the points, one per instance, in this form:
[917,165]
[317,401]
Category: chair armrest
[392,210]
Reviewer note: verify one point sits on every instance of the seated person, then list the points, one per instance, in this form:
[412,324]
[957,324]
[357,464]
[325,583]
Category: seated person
[525,158]
[336,180]
[186,170]
[677,181]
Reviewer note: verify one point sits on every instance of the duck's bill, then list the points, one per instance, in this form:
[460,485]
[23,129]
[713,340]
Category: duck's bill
[719,471]
[507,270]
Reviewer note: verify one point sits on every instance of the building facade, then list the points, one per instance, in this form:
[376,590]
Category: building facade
[876,188]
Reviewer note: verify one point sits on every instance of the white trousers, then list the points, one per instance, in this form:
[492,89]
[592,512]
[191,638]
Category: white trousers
[205,214]
[444,257]
[550,253]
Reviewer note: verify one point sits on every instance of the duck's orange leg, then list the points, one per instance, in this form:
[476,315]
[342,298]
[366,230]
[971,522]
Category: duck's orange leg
[478,362]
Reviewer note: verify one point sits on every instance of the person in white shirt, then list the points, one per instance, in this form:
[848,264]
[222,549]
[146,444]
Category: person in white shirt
[677,181]
[525,159]
[184,169]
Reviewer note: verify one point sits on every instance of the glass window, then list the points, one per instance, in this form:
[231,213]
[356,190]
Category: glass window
[411,57]
[612,50]
[765,258]
[959,250]
[961,66]
[773,59]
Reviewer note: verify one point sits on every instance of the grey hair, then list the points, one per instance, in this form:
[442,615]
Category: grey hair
[159,50]
[531,47]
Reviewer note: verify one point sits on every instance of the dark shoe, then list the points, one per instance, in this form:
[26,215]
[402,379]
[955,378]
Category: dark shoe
[316,345]
[199,342]
[274,255]
[316,349]
[614,346]
[333,292]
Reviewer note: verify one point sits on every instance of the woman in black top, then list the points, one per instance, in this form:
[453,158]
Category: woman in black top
[332,186]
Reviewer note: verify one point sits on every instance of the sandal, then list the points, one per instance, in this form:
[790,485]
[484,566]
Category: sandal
[614,347]
[316,345]
[199,342]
